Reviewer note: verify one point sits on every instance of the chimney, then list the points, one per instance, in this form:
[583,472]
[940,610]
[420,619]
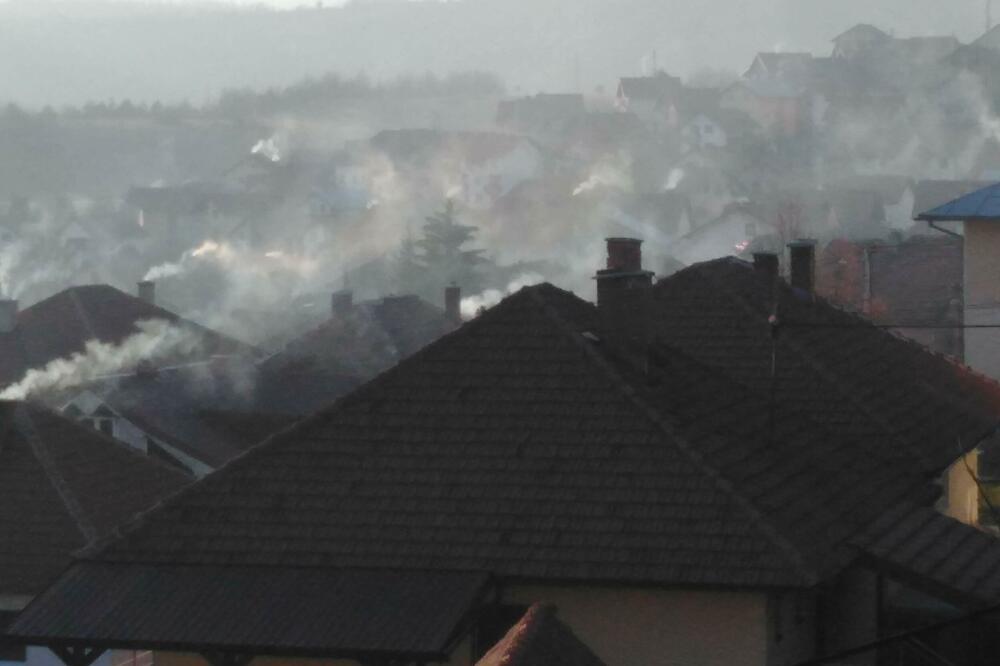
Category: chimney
[624,291]
[802,263]
[147,291]
[765,264]
[341,303]
[453,303]
[8,315]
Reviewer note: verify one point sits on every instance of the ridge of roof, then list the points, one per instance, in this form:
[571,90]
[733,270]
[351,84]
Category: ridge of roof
[673,436]
[26,428]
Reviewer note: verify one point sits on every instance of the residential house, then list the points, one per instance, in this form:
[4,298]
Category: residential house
[778,105]
[741,227]
[979,214]
[779,65]
[197,416]
[361,339]
[719,469]
[63,324]
[913,285]
[61,487]
[648,97]
[474,168]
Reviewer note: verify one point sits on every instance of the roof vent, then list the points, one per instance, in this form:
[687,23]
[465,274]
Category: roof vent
[147,291]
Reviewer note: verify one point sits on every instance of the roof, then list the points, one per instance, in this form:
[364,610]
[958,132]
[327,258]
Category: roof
[981,204]
[61,325]
[540,639]
[862,31]
[549,458]
[989,39]
[366,338]
[937,554]
[362,614]
[61,485]
[844,371]
[654,88]
[928,194]
[782,64]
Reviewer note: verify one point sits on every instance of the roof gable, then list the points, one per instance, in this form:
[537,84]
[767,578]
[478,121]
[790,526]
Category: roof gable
[540,639]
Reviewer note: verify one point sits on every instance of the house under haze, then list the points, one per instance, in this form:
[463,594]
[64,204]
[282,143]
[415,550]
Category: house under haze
[62,325]
[542,116]
[361,339]
[196,416]
[914,285]
[61,486]
[649,97]
[689,477]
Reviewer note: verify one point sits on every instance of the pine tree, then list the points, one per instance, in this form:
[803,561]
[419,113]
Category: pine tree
[444,253]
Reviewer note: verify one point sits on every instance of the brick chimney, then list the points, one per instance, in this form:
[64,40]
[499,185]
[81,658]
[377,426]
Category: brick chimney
[147,291]
[341,303]
[624,292]
[802,264]
[453,303]
[8,315]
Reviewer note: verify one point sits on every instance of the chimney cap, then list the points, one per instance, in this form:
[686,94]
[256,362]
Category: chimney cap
[802,242]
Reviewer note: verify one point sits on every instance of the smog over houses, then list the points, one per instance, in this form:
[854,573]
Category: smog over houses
[394,332]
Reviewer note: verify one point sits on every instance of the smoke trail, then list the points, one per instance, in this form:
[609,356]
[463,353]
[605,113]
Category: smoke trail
[155,340]
[471,304]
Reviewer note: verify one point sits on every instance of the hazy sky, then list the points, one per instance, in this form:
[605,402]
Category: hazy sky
[69,51]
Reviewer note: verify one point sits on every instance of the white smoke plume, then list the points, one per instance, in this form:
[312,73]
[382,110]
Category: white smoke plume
[613,173]
[472,304]
[155,340]
[268,148]
[674,179]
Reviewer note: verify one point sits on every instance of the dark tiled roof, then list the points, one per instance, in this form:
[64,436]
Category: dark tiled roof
[836,366]
[508,446]
[61,325]
[367,338]
[540,639]
[362,614]
[61,485]
[654,88]
[936,553]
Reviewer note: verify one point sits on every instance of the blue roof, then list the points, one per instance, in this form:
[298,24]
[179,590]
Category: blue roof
[983,204]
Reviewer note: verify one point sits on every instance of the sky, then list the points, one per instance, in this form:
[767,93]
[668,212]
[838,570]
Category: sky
[62,52]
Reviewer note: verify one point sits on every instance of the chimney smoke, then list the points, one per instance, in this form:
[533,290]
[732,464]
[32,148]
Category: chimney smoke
[8,316]
[147,291]
[453,303]
[802,263]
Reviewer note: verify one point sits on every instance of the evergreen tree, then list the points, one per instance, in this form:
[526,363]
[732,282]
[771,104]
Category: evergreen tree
[444,253]
[410,273]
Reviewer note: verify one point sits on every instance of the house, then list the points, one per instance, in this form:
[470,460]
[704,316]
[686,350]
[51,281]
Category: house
[362,339]
[742,226]
[648,97]
[474,168]
[196,416]
[718,469]
[61,486]
[913,285]
[979,214]
[779,65]
[63,324]
[778,105]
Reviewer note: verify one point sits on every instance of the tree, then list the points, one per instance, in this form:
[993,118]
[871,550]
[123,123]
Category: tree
[444,253]
[410,272]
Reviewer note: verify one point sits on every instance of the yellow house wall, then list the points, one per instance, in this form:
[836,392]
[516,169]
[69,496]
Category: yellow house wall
[962,496]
